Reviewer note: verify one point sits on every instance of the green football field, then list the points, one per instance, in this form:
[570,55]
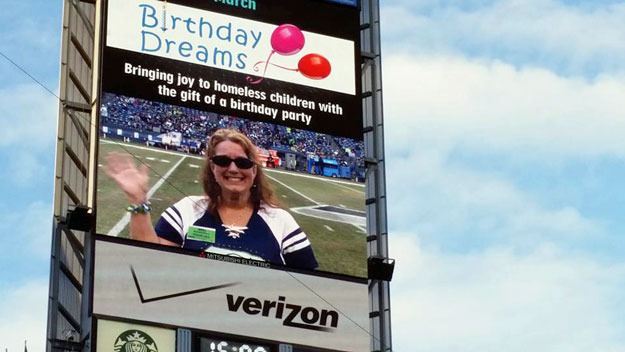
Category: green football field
[337,232]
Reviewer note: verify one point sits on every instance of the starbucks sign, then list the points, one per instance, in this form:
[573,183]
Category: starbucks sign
[134,341]
[118,336]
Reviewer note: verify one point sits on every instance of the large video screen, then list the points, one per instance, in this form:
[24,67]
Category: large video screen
[235,131]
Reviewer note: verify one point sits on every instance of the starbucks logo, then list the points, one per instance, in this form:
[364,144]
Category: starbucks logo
[134,341]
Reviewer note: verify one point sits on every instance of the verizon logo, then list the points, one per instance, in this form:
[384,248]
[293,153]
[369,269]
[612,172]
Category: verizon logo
[292,315]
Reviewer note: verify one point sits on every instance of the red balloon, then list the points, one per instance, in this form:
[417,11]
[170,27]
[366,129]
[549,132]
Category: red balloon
[314,66]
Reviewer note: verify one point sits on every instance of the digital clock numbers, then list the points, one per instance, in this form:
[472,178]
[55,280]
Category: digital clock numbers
[221,345]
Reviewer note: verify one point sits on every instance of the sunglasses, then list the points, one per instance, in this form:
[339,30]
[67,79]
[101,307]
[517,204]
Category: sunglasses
[240,162]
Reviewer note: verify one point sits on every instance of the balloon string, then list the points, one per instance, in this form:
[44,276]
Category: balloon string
[257,64]
[276,65]
[251,80]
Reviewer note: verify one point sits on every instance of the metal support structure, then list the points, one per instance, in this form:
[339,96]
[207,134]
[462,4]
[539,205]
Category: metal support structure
[69,321]
[379,291]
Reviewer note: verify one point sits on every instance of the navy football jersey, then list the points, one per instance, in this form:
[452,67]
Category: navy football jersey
[271,235]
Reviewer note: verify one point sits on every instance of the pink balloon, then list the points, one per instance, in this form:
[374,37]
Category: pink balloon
[287,39]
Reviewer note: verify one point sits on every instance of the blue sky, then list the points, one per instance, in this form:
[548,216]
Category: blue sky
[505,153]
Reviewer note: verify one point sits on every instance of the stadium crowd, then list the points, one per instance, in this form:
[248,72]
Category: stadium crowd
[143,116]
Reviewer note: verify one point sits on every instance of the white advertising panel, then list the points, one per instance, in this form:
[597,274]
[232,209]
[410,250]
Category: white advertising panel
[235,296]
[222,41]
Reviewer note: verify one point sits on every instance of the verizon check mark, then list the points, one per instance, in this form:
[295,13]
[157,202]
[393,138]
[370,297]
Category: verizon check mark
[184,293]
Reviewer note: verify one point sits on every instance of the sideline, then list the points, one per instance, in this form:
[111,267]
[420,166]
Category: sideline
[326,179]
[121,224]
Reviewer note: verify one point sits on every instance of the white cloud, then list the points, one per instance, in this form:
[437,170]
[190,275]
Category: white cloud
[25,168]
[446,102]
[583,38]
[23,316]
[31,35]
[30,227]
[501,301]
[497,269]
[28,115]
[456,206]
[41,35]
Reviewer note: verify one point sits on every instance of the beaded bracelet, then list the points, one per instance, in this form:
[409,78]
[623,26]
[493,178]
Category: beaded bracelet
[142,208]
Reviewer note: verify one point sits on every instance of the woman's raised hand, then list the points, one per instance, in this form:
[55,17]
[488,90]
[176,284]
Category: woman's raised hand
[132,180]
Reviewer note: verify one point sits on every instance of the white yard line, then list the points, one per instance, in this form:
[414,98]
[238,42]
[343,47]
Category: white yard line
[152,149]
[362,229]
[359,222]
[294,190]
[115,230]
[328,228]
[349,188]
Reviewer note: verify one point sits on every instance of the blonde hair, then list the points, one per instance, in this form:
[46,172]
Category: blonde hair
[261,192]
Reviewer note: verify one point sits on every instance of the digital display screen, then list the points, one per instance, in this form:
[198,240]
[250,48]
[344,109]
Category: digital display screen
[176,73]
[209,344]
